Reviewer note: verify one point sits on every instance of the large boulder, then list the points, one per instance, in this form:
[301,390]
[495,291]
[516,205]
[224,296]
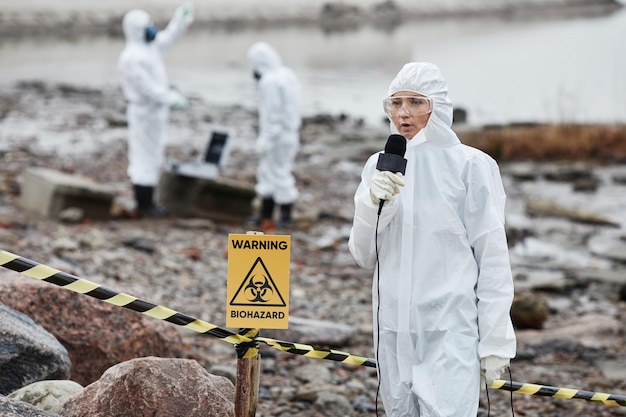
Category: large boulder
[155,387]
[28,353]
[96,334]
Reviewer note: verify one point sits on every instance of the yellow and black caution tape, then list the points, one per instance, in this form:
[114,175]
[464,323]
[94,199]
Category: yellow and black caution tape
[556,392]
[246,341]
[250,349]
[54,276]
[312,352]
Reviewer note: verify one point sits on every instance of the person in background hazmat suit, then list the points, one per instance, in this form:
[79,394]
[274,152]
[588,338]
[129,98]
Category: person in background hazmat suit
[442,288]
[146,88]
[279,134]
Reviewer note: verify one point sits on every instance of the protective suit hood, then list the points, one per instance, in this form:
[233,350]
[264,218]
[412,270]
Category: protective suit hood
[425,78]
[263,58]
[134,25]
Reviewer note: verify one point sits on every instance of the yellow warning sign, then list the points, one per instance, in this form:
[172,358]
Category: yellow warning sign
[258,281]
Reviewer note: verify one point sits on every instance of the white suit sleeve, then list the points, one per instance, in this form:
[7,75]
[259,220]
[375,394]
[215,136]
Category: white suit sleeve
[362,242]
[484,219]
[175,28]
[143,84]
[270,109]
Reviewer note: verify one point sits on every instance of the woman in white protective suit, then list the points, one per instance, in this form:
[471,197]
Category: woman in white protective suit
[146,88]
[279,134]
[442,287]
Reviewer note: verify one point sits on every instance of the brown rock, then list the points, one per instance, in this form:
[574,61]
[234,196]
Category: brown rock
[155,387]
[97,335]
[529,311]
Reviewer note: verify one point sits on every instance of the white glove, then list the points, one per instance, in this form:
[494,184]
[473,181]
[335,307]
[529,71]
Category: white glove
[263,147]
[184,13]
[491,368]
[385,186]
[177,101]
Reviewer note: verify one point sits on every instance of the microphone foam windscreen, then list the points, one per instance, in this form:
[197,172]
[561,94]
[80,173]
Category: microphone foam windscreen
[396,144]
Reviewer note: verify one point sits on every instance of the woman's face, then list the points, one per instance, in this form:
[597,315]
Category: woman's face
[407,116]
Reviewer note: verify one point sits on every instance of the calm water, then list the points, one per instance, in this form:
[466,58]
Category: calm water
[557,70]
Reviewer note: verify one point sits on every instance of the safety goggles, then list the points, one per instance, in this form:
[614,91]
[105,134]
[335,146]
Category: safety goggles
[413,105]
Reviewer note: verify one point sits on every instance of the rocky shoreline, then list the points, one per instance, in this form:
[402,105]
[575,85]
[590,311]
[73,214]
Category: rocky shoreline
[567,264]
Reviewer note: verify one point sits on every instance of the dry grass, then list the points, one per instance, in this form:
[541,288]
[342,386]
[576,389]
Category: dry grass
[548,142]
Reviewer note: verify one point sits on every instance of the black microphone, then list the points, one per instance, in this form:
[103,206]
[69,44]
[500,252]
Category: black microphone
[393,158]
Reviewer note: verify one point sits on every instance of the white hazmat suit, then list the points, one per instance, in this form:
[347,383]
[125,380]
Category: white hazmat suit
[146,88]
[279,124]
[443,281]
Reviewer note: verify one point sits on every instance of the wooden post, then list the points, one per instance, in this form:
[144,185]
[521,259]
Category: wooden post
[248,371]
[248,367]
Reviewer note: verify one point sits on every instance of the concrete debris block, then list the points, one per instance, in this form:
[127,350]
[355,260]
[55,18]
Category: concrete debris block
[155,387]
[216,199]
[49,192]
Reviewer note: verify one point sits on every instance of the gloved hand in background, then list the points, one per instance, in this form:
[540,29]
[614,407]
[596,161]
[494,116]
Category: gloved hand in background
[491,368]
[177,101]
[185,13]
[385,186]
[263,147]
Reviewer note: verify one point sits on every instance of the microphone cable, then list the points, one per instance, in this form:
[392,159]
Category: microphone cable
[392,160]
[510,392]
[377,310]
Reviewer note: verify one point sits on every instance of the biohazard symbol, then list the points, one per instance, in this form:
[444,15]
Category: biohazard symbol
[258,288]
